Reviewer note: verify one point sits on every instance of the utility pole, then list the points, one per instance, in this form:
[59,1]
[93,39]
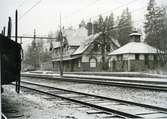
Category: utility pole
[34,45]
[16,33]
[16,20]
[61,50]
[34,50]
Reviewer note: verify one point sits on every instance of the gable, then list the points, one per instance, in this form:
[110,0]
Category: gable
[84,45]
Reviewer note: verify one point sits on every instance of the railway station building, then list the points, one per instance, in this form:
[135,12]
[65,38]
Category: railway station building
[135,56]
[80,53]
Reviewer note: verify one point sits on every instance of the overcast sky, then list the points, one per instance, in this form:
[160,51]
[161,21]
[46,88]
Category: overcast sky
[45,16]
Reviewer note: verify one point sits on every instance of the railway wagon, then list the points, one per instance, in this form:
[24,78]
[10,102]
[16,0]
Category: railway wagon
[10,62]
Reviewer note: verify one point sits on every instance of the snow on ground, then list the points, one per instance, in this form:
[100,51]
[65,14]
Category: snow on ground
[28,105]
[158,98]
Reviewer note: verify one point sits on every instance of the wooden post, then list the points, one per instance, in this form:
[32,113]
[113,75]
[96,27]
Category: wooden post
[16,27]
[4,29]
[0,83]
[9,28]
[61,54]
[16,31]
[34,51]
[61,50]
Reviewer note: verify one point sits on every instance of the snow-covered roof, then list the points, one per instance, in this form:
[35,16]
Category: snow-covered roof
[115,41]
[135,34]
[136,48]
[85,45]
[56,44]
[75,37]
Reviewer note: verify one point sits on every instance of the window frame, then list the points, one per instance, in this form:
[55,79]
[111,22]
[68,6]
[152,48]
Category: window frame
[137,56]
[92,64]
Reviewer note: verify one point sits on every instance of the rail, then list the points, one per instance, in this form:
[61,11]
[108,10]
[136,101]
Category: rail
[3,116]
[86,99]
[141,84]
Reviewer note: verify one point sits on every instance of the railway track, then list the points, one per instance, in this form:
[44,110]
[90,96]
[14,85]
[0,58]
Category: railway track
[141,84]
[112,107]
[3,116]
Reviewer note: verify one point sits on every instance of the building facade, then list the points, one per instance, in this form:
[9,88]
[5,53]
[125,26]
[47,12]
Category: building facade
[135,56]
[80,51]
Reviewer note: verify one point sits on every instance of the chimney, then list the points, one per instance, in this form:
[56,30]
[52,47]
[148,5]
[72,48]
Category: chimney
[89,27]
[95,29]
[135,36]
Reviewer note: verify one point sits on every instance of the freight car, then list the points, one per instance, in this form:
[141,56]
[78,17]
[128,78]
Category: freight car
[10,63]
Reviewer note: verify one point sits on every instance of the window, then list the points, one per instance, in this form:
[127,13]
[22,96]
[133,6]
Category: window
[108,48]
[155,58]
[92,63]
[136,56]
[79,63]
[96,47]
[146,59]
[119,57]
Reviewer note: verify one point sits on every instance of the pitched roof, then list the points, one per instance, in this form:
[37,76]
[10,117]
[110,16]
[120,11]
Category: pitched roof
[136,48]
[75,37]
[56,44]
[135,34]
[115,41]
[86,44]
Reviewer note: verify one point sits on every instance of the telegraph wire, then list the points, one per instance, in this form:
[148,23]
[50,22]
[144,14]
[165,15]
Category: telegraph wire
[93,3]
[133,11]
[132,1]
[116,8]
[21,4]
[79,10]
[126,26]
[126,4]
[37,3]
[112,29]
[96,16]
[45,37]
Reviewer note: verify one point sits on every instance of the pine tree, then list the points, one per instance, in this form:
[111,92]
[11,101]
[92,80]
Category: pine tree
[124,27]
[165,31]
[105,26]
[110,25]
[102,40]
[101,25]
[154,25]
[36,54]
[82,24]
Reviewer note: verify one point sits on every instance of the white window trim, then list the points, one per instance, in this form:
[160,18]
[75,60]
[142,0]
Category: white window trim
[92,63]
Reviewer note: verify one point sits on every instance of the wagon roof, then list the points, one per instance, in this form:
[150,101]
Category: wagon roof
[6,44]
